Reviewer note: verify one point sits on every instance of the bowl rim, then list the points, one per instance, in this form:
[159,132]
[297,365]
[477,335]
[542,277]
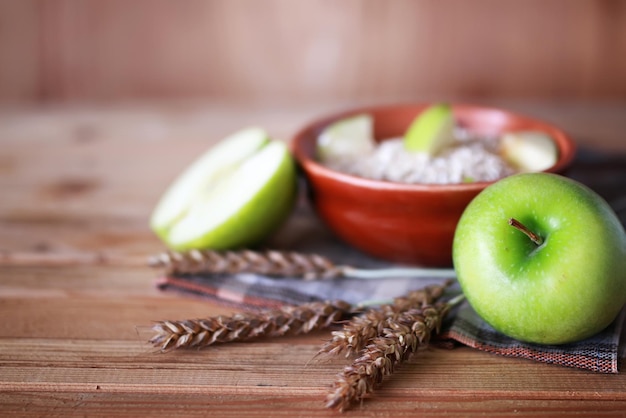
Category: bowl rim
[565,144]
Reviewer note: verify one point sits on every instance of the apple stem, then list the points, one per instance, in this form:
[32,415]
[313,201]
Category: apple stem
[530,234]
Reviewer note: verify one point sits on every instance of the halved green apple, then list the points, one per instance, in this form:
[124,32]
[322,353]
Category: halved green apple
[529,150]
[350,136]
[233,196]
[431,131]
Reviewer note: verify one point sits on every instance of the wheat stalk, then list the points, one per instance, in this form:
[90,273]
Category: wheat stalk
[277,264]
[360,330]
[402,337]
[245,326]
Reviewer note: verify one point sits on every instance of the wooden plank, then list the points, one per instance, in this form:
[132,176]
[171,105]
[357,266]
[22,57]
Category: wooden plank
[202,404]
[89,301]
[275,376]
[75,337]
[278,51]
[261,367]
[20,51]
[86,180]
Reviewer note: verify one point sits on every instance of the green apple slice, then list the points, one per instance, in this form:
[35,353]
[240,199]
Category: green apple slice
[431,131]
[232,196]
[350,136]
[529,150]
[203,173]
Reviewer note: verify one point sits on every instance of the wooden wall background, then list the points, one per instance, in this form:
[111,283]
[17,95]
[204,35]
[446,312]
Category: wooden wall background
[310,50]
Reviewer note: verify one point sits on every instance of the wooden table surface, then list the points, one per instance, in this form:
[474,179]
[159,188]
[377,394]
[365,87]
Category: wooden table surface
[78,184]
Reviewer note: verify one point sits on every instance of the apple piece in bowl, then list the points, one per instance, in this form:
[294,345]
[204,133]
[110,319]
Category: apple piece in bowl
[352,136]
[529,151]
[234,195]
[432,130]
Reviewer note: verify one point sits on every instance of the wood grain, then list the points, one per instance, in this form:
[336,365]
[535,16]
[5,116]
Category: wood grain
[281,51]
[77,301]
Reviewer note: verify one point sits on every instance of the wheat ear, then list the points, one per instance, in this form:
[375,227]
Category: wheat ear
[270,263]
[245,326]
[361,330]
[402,337]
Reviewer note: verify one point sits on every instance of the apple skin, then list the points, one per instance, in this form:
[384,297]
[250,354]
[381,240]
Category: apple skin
[565,290]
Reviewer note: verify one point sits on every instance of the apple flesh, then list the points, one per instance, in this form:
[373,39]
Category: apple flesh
[233,196]
[565,286]
[347,137]
[529,150]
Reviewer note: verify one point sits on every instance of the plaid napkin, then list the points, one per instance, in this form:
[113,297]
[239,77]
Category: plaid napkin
[305,233]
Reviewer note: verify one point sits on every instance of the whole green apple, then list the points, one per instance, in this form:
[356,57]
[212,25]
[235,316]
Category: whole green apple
[542,258]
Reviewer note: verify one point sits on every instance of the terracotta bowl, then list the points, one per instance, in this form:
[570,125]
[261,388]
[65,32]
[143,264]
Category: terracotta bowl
[407,223]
